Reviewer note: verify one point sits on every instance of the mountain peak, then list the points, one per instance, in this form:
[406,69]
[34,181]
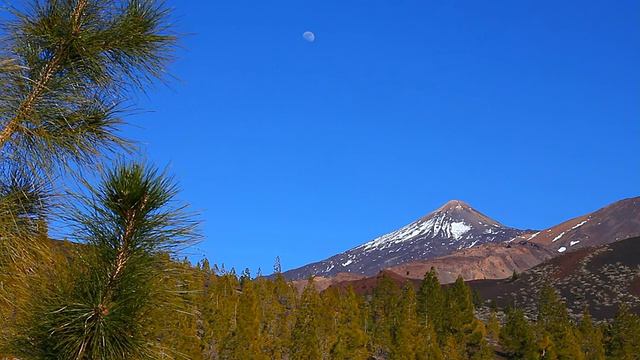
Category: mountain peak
[454,204]
[451,227]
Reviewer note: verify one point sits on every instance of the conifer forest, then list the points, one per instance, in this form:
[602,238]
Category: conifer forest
[116,287]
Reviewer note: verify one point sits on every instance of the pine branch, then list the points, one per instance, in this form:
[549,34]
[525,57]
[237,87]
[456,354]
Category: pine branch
[129,224]
[67,71]
[50,69]
[69,67]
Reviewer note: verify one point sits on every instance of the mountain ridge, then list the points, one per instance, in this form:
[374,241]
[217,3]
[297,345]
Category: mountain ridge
[453,226]
[615,222]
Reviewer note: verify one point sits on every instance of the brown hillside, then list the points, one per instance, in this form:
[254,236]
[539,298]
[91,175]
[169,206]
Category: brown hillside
[617,221]
[366,285]
[600,278]
[488,261]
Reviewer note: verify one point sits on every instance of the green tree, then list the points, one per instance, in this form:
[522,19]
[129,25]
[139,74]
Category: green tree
[517,336]
[553,322]
[427,346]
[276,320]
[67,71]
[406,330]
[305,340]
[430,303]
[351,337]
[129,223]
[245,342]
[285,297]
[462,324]
[412,339]
[591,338]
[277,267]
[176,332]
[493,327]
[383,314]
[451,349]
[476,298]
[624,335]
[460,307]
[219,314]
[328,321]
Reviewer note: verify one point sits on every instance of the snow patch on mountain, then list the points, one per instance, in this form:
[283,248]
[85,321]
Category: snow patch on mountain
[442,226]
[558,237]
[458,229]
[580,224]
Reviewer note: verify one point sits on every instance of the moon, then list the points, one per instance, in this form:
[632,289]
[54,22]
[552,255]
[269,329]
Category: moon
[308,36]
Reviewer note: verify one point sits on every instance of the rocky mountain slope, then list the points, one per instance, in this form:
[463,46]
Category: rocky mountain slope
[616,221]
[451,227]
[599,277]
[488,261]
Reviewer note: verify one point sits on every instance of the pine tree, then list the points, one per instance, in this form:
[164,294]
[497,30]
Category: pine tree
[476,298]
[129,223]
[493,327]
[219,314]
[459,312]
[328,321]
[383,315]
[462,324]
[405,333]
[275,319]
[245,342]
[517,336]
[277,267]
[553,322]
[451,349]
[286,296]
[67,70]
[591,338]
[427,346]
[351,337]
[20,282]
[305,340]
[430,303]
[67,73]
[176,333]
[624,335]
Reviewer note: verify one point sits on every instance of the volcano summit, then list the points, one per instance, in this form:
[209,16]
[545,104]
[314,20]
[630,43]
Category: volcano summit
[451,227]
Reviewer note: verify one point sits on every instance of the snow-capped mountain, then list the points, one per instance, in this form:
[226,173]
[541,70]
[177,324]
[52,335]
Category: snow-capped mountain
[453,226]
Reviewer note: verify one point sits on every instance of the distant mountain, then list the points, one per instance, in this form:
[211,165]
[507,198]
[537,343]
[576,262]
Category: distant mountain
[617,221]
[453,226]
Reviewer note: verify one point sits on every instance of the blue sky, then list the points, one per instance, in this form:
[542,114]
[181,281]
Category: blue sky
[527,110]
